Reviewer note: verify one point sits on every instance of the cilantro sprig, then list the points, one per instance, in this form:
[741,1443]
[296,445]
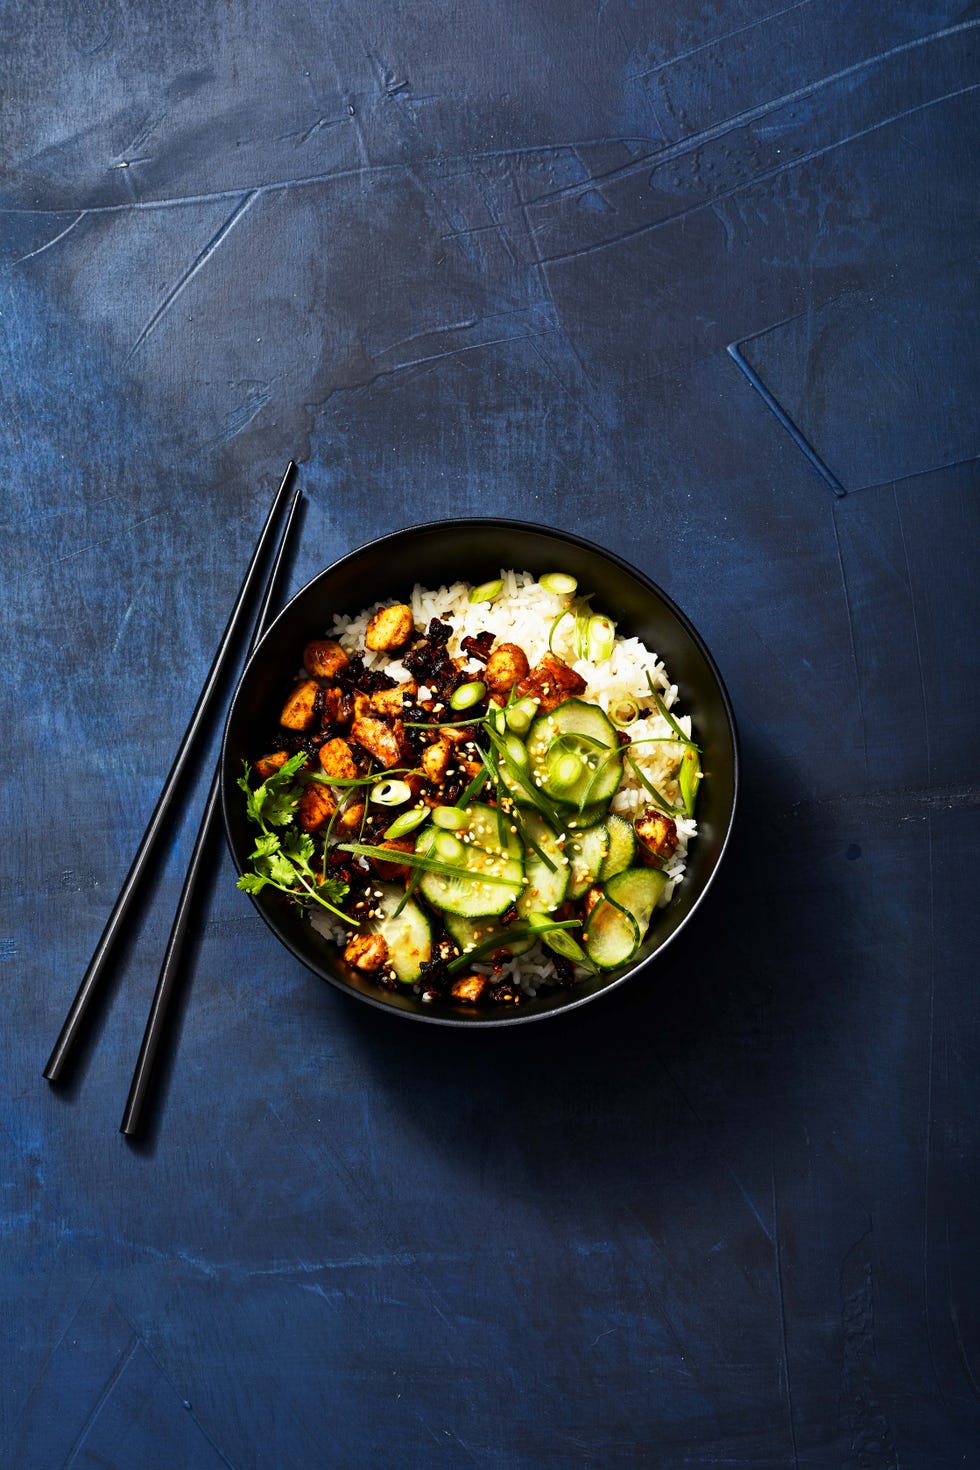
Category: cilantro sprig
[284,859]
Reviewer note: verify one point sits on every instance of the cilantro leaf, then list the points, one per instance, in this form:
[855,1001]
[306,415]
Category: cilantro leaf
[284,859]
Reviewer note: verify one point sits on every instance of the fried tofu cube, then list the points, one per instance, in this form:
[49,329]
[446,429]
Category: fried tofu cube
[435,759]
[505,667]
[266,764]
[333,707]
[316,807]
[393,872]
[390,627]
[469,988]
[550,683]
[656,834]
[391,701]
[298,713]
[350,819]
[337,759]
[324,658]
[378,738]
[367,952]
[457,734]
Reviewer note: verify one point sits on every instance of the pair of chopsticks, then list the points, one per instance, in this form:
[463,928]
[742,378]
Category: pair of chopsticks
[170,970]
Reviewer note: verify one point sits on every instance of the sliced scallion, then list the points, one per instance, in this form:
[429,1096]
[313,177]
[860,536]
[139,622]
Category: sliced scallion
[520,716]
[600,638]
[407,822]
[449,818]
[467,695]
[447,847]
[487,591]
[391,793]
[623,711]
[688,777]
[515,751]
[565,769]
[565,613]
[558,582]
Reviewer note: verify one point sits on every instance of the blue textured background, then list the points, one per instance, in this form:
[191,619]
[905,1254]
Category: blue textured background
[696,280]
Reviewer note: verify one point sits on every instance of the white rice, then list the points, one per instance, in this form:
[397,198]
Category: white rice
[524,613]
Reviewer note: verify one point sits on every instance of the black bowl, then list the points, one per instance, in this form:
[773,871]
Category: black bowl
[474,551]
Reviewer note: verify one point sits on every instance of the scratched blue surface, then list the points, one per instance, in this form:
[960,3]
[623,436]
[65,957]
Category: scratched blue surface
[697,280]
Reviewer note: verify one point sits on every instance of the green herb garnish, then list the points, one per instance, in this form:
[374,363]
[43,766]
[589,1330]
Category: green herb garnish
[283,860]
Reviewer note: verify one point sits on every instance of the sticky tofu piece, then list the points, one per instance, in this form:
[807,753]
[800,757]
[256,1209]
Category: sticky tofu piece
[333,707]
[469,988]
[298,711]
[391,701]
[316,807]
[337,759]
[656,833]
[266,764]
[367,952]
[324,658]
[393,872]
[549,683]
[350,819]
[435,759]
[390,627]
[378,738]
[505,667]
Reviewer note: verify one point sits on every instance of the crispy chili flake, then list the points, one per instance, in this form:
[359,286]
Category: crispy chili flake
[478,646]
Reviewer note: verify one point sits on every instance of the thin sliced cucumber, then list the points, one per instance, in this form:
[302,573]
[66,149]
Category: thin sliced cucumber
[618,924]
[486,847]
[587,851]
[612,936]
[409,936]
[546,887]
[575,755]
[637,890]
[622,846]
[468,933]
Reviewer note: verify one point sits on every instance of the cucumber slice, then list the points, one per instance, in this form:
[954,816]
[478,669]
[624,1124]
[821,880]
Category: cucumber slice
[546,888]
[575,755]
[587,851]
[612,936]
[486,846]
[470,932]
[637,890]
[618,924]
[409,936]
[622,846]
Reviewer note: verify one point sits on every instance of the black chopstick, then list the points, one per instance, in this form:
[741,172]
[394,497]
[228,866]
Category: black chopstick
[170,969]
[90,980]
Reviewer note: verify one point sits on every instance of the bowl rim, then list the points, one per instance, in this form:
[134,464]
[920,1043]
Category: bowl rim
[477,1021]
